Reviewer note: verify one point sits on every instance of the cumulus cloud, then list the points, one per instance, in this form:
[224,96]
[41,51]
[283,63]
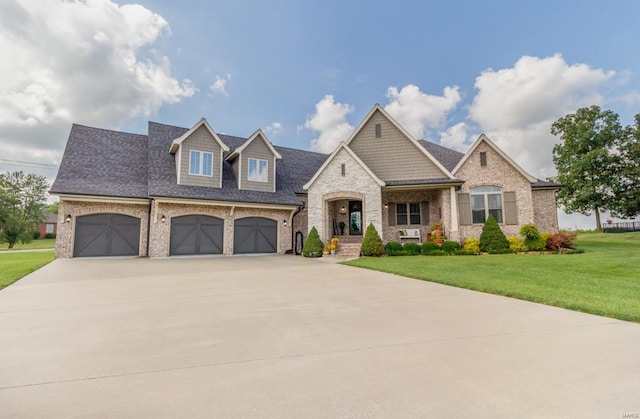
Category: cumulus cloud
[330,120]
[417,111]
[456,137]
[220,85]
[516,106]
[86,62]
[274,128]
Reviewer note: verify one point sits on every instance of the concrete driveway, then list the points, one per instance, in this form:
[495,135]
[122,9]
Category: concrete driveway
[284,336]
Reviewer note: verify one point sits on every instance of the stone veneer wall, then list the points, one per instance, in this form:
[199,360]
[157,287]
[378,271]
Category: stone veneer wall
[160,238]
[434,199]
[331,185]
[299,222]
[66,231]
[545,210]
[498,172]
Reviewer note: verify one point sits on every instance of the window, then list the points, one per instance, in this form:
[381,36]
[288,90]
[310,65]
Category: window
[486,200]
[258,170]
[48,229]
[200,163]
[483,159]
[407,214]
[378,131]
[343,169]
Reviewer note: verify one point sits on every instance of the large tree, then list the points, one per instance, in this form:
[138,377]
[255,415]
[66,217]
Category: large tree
[627,190]
[22,206]
[588,160]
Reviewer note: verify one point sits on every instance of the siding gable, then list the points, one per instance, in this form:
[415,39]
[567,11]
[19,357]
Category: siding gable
[257,149]
[392,156]
[199,140]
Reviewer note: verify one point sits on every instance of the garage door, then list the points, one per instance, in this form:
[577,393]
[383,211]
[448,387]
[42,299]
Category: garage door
[196,235]
[255,235]
[107,235]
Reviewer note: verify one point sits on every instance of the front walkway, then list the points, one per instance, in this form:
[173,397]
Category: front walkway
[285,336]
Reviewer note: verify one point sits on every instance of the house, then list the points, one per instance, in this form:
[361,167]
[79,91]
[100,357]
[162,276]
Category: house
[179,191]
[48,226]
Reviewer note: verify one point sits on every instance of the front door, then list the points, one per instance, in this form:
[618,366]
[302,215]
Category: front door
[355,218]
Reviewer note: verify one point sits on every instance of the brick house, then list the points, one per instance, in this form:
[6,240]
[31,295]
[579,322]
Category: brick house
[178,191]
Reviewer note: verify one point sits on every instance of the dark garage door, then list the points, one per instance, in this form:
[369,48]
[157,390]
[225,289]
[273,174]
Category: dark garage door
[255,235]
[107,235]
[196,235]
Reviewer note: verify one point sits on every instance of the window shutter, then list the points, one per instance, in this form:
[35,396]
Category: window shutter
[392,213]
[464,208]
[510,208]
[424,210]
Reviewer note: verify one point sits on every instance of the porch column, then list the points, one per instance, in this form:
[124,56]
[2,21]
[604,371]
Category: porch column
[454,210]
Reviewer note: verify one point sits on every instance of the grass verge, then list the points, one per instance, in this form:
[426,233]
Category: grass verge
[605,280]
[34,244]
[15,265]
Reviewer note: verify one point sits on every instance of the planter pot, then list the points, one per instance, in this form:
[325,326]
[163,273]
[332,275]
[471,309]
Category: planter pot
[333,252]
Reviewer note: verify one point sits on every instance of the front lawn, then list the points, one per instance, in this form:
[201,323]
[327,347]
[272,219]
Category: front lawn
[605,280]
[15,265]
[34,244]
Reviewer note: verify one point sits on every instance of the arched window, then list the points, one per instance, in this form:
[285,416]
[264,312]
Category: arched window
[486,200]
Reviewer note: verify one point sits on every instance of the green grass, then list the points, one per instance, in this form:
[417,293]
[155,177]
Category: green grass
[15,265]
[34,244]
[605,280]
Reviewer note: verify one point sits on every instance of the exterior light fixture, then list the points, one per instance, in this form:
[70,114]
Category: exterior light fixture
[163,218]
[284,222]
[343,210]
[68,219]
[386,206]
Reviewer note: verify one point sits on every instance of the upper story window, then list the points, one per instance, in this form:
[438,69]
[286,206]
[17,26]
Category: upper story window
[258,170]
[407,214]
[486,200]
[378,130]
[200,163]
[483,158]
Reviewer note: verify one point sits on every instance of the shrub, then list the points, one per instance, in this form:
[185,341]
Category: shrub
[545,238]
[372,243]
[492,239]
[471,244]
[313,245]
[35,235]
[428,247]
[49,236]
[561,241]
[516,244]
[499,251]
[450,247]
[412,248]
[464,252]
[392,248]
[533,240]
[437,252]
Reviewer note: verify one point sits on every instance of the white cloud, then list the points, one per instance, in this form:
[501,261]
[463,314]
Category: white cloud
[273,129]
[417,111]
[456,137]
[516,106]
[220,85]
[86,62]
[330,120]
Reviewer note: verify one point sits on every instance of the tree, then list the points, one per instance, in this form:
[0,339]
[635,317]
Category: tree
[313,246]
[627,189]
[22,206]
[492,239]
[53,208]
[588,160]
[372,243]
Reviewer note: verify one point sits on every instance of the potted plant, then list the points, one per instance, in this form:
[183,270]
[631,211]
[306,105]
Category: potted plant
[436,233]
[342,225]
[333,245]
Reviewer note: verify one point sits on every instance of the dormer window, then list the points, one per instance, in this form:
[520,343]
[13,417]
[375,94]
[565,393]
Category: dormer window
[258,170]
[200,163]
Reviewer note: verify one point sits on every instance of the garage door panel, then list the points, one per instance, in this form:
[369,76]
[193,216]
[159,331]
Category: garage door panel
[255,235]
[196,235]
[106,235]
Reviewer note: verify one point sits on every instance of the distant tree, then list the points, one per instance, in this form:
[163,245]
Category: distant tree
[627,189]
[53,208]
[588,160]
[22,206]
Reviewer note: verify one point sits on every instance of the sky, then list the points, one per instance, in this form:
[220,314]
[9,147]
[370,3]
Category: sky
[308,72]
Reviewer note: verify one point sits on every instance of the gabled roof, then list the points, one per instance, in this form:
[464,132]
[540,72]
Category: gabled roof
[421,149]
[255,135]
[448,157]
[483,138]
[202,122]
[343,146]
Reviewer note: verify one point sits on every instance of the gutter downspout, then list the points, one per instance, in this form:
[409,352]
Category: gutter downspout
[299,210]
[149,225]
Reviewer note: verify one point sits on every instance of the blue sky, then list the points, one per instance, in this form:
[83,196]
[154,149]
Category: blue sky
[307,72]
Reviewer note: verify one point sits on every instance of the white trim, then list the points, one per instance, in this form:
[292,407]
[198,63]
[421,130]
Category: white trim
[221,164]
[203,122]
[187,201]
[104,199]
[274,173]
[201,163]
[178,164]
[333,155]
[384,113]
[257,160]
[454,210]
[484,138]
[239,174]
[253,136]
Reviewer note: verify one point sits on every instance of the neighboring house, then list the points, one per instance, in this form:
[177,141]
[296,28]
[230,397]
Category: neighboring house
[178,191]
[48,226]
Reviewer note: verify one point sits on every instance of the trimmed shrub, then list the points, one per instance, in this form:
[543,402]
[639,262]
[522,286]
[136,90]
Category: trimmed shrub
[437,252]
[561,241]
[412,248]
[532,237]
[313,245]
[49,236]
[428,247]
[545,238]
[492,239]
[499,251]
[35,235]
[450,247]
[472,245]
[464,252]
[516,244]
[372,243]
[392,248]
